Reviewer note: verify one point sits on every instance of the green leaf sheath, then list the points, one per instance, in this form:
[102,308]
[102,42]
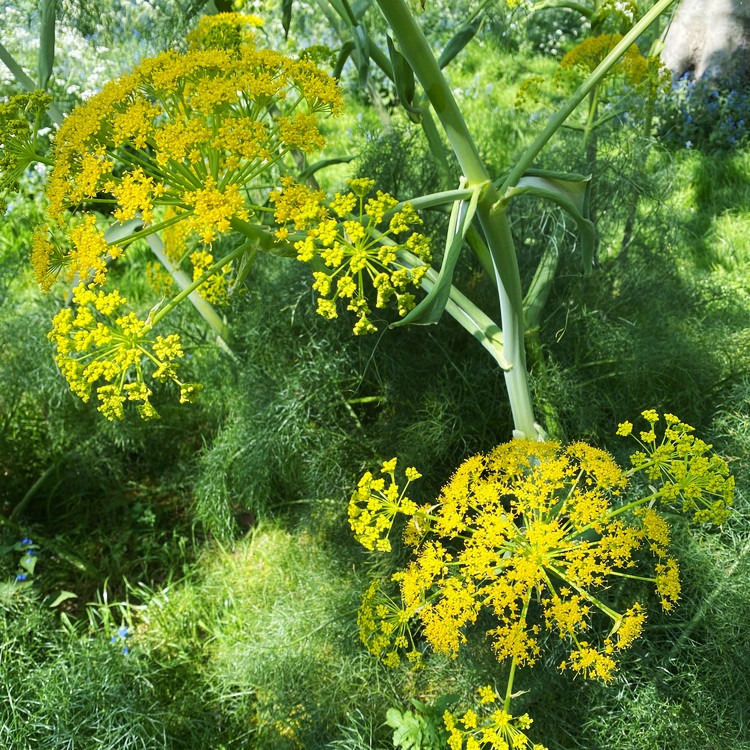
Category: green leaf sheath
[418,53]
[46,59]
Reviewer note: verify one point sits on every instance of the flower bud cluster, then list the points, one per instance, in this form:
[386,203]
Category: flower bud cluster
[692,478]
[385,627]
[20,118]
[374,506]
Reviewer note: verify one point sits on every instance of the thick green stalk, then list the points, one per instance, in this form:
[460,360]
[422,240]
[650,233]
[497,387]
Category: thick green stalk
[183,281]
[418,53]
[465,313]
[601,70]
[258,236]
[188,290]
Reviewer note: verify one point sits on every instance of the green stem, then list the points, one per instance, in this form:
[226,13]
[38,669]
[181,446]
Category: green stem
[435,144]
[495,225]
[205,309]
[260,237]
[631,576]
[465,313]
[147,230]
[192,287]
[473,320]
[590,120]
[433,199]
[26,499]
[541,286]
[581,93]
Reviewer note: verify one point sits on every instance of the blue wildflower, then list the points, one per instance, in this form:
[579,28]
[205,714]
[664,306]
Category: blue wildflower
[123,632]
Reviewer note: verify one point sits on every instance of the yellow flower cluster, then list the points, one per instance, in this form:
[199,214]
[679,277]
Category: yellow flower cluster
[633,66]
[98,340]
[648,74]
[529,94]
[373,506]
[190,143]
[47,259]
[216,287]
[489,728]
[227,31]
[526,525]
[186,136]
[20,118]
[692,477]
[352,256]
[384,627]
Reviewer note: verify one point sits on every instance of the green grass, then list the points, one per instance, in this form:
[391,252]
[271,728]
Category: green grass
[272,624]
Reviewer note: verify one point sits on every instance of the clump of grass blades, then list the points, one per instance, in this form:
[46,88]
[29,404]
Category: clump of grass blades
[273,623]
[62,691]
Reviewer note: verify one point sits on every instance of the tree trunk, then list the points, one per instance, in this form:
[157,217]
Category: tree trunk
[706,37]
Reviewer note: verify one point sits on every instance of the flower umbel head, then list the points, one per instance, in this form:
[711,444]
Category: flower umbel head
[352,257]
[490,727]
[194,137]
[99,341]
[20,118]
[693,478]
[533,534]
[225,31]
[385,626]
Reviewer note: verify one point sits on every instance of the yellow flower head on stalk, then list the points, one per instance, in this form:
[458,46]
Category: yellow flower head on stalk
[47,258]
[352,256]
[647,74]
[227,31]
[193,137]
[584,58]
[20,118]
[99,342]
[533,534]
[692,478]
[490,727]
[384,627]
[374,505]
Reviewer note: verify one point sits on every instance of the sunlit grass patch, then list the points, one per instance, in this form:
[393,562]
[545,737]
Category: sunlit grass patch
[273,623]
